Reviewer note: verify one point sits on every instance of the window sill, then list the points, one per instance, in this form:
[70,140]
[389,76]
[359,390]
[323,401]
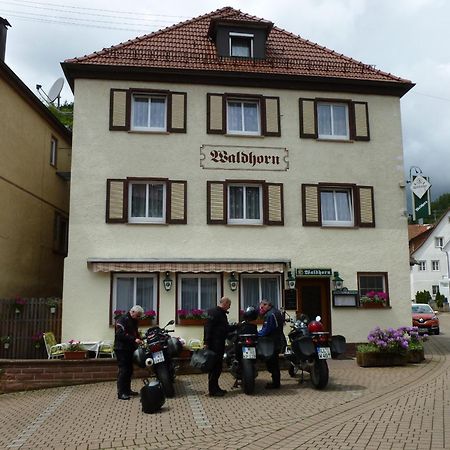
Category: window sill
[345,141]
[148,132]
[253,136]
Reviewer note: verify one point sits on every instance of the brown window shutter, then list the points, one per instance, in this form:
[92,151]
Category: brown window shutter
[311,205]
[365,206]
[177,104]
[270,114]
[116,201]
[217,202]
[308,127]
[215,114]
[119,111]
[360,121]
[273,204]
[176,202]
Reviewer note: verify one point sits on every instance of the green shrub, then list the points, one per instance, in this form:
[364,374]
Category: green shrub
[423,296]
[439,300]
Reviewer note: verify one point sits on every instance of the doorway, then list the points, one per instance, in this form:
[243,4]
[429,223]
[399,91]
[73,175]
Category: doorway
[314,299]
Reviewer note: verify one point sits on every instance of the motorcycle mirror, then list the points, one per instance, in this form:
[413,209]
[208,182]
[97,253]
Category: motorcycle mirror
[170,322]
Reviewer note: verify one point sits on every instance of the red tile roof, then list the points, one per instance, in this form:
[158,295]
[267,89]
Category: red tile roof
[187,46]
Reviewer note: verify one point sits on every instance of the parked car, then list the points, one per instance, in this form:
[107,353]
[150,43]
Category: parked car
[425,319]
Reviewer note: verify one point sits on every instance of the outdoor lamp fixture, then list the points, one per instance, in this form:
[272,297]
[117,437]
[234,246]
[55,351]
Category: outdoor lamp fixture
[167,282]
[290,280]
[233,281]
[338,281]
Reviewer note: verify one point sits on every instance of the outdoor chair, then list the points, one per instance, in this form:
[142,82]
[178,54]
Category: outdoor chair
[54,350]
[106,348]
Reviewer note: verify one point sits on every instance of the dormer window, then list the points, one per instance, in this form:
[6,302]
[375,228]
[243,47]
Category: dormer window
[241,45]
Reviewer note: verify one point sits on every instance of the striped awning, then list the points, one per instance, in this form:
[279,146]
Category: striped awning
[188,266]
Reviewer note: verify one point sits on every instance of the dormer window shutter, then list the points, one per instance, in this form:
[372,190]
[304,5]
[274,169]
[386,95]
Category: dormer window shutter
[273,208]
[366,207]
[311,214]
[308,127]
[116,201]
[360,121]
[176,206]
[216,202]
[177,112]
[215,114]
[270,107]
[119,110]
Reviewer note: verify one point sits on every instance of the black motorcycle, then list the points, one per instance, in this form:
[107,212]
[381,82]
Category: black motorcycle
[309,349]
[240,353]
[157,351]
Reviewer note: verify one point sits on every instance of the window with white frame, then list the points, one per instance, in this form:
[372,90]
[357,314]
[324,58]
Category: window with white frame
[134,289]
[241,44]
[243,117]
[422,266]
[332,120]
[336,207]
[371,281]
[245,204]
[435,289]
[199,291]
[256,287]
[147,202]
[435,265]
[439,242]
[149,112]
[53,151]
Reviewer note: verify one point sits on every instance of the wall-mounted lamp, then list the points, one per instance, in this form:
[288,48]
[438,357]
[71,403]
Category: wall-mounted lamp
[290,280]
[167,282]
[337,281]
[233,281]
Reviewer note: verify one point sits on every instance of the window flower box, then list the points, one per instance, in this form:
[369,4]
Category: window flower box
[194,317]
[373,300]
[191,322]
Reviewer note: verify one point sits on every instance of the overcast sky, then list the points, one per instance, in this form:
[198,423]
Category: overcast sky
[408,38]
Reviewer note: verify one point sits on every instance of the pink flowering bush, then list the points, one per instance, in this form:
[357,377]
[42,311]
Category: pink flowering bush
[374,297]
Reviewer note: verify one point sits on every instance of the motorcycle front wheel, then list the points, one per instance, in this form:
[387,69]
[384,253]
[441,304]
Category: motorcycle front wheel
[319,373]
[162,373]
[248,376]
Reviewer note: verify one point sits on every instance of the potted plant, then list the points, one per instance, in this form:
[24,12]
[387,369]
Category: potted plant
[148,317]
[117,313]
[37,339]
[373,299]
[19,304]
[6,341]
[52,303]
[74,350]
[191,317]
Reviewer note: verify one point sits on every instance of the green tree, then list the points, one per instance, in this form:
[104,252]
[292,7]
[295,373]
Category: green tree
[440,205]
[423,296]
[64,114]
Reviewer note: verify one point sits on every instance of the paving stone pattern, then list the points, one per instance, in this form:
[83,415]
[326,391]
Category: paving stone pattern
[393,408]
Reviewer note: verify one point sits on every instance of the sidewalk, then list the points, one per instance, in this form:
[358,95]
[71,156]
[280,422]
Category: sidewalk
[362,408]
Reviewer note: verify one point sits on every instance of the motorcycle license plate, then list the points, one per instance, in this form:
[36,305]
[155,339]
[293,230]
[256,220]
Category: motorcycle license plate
[324,352]
[158,357]
[248,352]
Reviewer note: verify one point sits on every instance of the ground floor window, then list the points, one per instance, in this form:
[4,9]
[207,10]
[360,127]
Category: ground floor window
[254,288]
[199,291]
[134,289]
[368,282]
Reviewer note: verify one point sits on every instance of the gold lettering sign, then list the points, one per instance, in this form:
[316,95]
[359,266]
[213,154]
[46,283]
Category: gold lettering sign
[243,158]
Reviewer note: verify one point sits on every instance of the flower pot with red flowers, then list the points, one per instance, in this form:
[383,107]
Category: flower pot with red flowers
[373,300]
[148,318]
[193,317]
[74,350]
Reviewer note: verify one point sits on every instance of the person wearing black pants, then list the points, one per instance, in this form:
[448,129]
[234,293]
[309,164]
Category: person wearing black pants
[125,343]
[215,333]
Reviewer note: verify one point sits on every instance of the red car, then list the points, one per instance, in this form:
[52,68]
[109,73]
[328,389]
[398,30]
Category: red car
[424,318]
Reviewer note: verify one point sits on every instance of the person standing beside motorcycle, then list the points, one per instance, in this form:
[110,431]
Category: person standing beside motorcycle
[215,333]
[126,340]
[273,329]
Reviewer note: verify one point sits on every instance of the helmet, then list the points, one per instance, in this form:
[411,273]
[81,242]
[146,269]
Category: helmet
[315,326]
[251,313]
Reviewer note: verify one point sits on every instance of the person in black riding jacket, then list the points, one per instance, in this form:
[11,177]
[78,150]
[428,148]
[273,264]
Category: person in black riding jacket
[215,332]
[126,341]
[273,329]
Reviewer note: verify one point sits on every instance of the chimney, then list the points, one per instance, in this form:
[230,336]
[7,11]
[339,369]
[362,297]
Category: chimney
[3,32]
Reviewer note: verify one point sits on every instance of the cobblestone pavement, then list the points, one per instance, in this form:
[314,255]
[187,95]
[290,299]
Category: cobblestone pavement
[361,408]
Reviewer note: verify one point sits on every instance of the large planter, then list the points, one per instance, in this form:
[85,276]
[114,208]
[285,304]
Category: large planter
[75,355]
[146,322]
[416,356]
[191,322]
[372,305]
[380,359]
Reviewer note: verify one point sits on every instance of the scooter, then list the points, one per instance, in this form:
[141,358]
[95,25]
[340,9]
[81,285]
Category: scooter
[240,353]
[157,351]
[309,349]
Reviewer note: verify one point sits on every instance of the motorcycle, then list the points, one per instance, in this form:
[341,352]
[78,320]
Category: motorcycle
[157,351]
[309,349]
[240,353]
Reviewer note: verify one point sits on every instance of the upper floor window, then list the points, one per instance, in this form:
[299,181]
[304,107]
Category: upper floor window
[439,242]
[245,204]
[149,112]
[243,117]
[333,120]
[53,151]
[241,45]
[337,207]
[60,234]
[147,202]
[435,265]
[435,289]
[422,266]
[254,288]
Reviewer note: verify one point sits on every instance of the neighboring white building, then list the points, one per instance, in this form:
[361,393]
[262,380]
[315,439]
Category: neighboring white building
[223,153]
[431,250]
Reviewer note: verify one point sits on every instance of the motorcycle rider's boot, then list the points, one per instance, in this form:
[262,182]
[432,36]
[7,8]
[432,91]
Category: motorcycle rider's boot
[222,390]
[133,393]
[273,386]
[217,394]
[123,397]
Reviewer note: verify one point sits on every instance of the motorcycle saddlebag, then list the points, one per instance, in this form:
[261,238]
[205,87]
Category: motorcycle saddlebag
[338,345]
[203,359]
[303,346]
[174,346]
[265,347]
[139,357]
[152,397]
